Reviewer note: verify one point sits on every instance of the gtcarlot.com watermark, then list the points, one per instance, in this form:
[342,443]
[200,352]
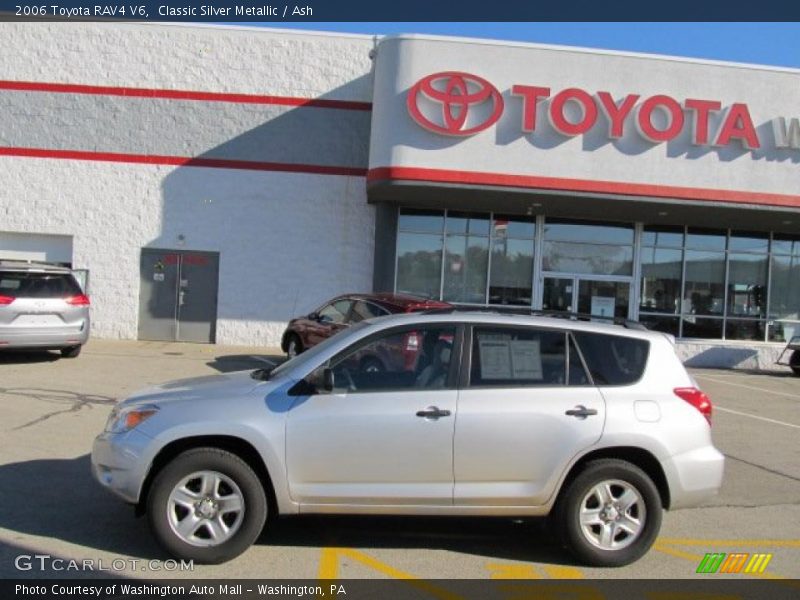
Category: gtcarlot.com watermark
[46,562]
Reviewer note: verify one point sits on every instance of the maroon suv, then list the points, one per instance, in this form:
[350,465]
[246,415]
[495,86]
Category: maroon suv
[343,311]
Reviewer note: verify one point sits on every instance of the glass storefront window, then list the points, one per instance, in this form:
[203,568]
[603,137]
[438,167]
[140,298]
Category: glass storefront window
[663,237]
[782,244]
[601,259]
[783,331]
[704,292]
[661,280]
[705,239]
[511,272]
[469,223]
[465,269]
[421,221]
[749,242]
[694,327]
[785,284]
[747,285]
[744,329]
[661,323]
[600,233]
[419,264]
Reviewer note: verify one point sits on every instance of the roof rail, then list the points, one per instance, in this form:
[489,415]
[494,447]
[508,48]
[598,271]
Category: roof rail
[574,316]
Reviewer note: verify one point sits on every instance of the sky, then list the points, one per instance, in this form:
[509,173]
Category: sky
[776,44]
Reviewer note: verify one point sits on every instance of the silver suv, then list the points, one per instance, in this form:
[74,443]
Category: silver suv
[598,426]
[42,307]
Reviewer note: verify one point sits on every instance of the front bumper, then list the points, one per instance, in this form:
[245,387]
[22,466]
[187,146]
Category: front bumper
[694,476]
[120,462]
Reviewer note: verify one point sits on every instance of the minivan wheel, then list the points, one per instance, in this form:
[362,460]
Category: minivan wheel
[610,514]
[293,345]
[71,352]
[206,505]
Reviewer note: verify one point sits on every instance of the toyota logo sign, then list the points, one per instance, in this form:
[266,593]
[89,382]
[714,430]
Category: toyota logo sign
[454,103]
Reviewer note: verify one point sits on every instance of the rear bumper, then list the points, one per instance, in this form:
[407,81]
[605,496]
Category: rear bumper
[44,337]
[694,477]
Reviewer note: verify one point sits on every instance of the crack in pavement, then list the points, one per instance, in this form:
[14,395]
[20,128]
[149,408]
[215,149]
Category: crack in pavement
[76,401]
[763,468]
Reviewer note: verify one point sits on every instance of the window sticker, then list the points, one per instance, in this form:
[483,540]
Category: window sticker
[495,363]
[526,359]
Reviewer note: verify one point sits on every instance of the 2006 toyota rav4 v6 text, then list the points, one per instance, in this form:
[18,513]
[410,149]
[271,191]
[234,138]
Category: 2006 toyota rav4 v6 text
[598,426]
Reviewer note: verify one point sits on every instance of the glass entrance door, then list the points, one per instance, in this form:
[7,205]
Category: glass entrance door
[604,298]
[596,297]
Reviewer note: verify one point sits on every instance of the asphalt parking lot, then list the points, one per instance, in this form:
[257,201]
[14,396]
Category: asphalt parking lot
[52,408]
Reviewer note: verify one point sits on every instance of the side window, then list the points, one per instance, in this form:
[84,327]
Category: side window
[613,359]
[407,359]
[366,310]
[518,357]
[335,312]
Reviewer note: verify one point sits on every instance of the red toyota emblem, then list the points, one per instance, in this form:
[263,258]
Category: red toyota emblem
[458,94]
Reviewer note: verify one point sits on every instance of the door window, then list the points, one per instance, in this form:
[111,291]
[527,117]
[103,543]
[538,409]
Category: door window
[511,357]
[409,359]
[335,312]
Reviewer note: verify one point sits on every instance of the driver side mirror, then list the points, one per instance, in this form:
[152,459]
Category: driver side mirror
[314,316]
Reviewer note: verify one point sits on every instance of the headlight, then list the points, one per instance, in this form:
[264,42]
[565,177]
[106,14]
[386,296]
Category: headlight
[124,419]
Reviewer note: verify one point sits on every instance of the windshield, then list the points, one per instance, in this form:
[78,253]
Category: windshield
[310,354]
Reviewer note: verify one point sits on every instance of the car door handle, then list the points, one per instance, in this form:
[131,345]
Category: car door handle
[581,412]
[433,412]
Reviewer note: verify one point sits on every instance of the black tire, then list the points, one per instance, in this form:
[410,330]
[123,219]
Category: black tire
[253,517]
[71,352]
[794,362]
[294,345]
[568,510]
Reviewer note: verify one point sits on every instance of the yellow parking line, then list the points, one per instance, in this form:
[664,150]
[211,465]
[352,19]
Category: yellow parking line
[503,571]
[329,570]
[558,572]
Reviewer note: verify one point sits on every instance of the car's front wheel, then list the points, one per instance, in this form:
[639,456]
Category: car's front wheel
[207,505]
[610,514]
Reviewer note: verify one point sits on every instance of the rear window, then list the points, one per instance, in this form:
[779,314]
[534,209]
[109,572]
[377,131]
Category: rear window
[21,284]
[511,357]
[612,359]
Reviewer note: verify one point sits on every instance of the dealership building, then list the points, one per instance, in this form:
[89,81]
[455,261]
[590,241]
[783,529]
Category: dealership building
[215,181]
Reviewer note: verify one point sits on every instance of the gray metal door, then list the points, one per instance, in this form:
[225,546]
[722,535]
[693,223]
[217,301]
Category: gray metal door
[178,295]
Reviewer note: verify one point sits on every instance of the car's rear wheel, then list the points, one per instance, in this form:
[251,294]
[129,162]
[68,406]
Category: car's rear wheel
[293,345]
[207,505]
[610,514]
[794,362]
[71,352]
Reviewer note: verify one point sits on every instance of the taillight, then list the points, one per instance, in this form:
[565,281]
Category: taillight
[5,300]
[696,398]
[80,300]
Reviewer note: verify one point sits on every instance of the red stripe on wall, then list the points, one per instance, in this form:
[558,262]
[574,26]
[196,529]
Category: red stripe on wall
[580,185]
[182,161]
[70,88]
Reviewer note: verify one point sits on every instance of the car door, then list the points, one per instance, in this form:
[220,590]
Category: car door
[331,319]
[525,409]
[382,436]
